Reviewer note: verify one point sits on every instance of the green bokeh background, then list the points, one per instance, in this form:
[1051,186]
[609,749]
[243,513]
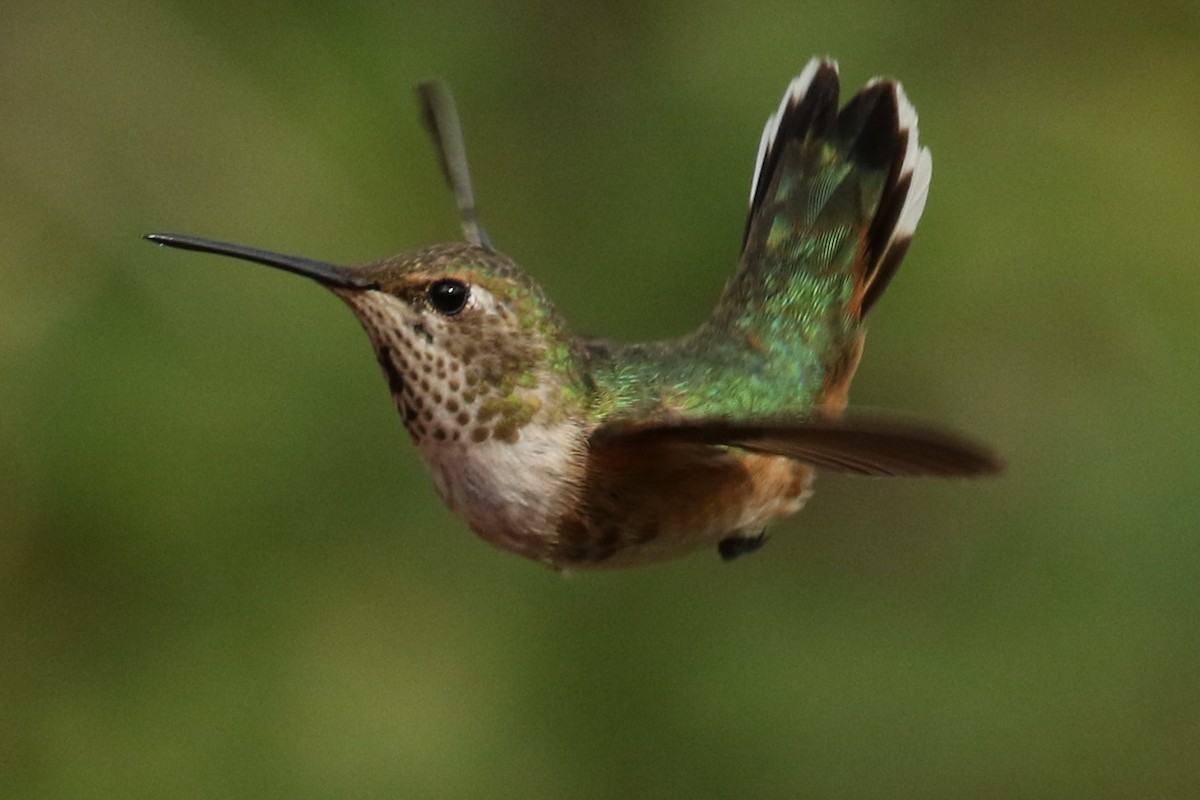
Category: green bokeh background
[224,573]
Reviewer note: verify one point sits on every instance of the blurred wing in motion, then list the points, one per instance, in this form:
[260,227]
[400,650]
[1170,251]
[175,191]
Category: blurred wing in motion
[860,446]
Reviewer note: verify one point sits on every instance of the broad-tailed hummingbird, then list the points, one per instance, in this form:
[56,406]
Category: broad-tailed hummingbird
[580,452]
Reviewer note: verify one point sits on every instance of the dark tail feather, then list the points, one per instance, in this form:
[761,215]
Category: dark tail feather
[809,109]
[876,131]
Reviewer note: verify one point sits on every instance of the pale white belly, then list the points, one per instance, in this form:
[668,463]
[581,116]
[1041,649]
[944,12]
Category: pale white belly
[512,494]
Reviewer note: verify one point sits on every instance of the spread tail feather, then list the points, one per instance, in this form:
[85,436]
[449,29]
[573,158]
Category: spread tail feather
[819,169]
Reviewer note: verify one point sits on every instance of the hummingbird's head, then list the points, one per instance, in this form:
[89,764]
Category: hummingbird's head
[470,345]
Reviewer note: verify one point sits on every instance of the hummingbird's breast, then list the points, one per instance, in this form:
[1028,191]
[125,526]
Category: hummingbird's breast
[491,418]
[514,493]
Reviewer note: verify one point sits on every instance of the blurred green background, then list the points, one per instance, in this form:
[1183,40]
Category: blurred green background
[224,572]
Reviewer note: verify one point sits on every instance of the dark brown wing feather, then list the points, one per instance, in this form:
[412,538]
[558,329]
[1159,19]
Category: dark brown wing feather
[861,446]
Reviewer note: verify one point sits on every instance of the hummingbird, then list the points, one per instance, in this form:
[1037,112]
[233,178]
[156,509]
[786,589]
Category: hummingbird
[581,452]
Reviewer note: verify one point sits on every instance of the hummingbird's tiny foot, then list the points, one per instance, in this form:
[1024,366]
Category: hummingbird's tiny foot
[733,546]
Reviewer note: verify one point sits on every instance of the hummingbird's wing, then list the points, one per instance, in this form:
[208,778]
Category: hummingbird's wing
[861,446]
[440,114]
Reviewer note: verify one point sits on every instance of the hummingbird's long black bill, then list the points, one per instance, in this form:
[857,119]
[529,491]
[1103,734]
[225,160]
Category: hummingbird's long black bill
[320,271]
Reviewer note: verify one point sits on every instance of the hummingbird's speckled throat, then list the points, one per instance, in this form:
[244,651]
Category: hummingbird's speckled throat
[580,452]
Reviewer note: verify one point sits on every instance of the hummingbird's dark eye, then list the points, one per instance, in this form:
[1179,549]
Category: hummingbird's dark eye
[449,296]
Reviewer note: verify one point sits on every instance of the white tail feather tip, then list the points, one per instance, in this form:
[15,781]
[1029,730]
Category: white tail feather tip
[918,193]
[793,96]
